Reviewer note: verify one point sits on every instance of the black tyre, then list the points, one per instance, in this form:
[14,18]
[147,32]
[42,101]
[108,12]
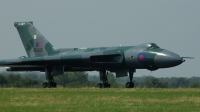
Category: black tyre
[49,85]
[44,85]
[106,85]
[129,85]
[55,85]
[133,85]
[99,85]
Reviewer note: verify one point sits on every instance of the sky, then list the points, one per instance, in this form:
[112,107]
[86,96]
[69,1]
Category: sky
[171,24]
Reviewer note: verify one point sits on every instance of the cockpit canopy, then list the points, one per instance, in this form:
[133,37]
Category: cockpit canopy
[148,46]
[152,45]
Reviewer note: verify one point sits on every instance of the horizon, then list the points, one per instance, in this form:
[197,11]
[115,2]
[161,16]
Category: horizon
[172,25]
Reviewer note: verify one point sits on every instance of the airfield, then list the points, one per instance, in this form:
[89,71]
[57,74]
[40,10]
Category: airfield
[96,99]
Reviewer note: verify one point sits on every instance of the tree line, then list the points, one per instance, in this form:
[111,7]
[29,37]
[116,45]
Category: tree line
[82,79]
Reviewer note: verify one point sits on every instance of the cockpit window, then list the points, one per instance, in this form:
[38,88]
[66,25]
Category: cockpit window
[149,45]
[152,45]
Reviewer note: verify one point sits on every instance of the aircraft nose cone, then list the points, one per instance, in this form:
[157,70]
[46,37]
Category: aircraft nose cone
[165,59]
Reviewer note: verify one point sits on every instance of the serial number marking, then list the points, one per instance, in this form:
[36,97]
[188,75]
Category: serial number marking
[38,49]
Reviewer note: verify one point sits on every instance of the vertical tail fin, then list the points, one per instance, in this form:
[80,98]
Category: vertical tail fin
[34,42]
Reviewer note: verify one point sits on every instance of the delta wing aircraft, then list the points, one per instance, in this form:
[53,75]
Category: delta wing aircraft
[44,57]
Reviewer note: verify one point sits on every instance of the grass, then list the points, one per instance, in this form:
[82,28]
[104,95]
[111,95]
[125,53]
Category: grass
[100,100]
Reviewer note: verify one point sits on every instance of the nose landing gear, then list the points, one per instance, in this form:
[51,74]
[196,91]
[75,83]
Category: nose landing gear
[131,83]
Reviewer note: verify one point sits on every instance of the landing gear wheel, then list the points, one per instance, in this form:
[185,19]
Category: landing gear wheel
[99,85]
[55,85]
[129,85]
[51,84]
[106,85]
[44,85]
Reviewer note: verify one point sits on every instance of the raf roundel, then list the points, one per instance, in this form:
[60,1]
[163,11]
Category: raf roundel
[141,57]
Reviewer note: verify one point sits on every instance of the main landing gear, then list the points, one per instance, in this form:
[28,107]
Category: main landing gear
[103,77]
[130,84]
[49,77]
[105,84]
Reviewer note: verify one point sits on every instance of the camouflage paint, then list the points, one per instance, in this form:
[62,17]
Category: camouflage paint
[42,54]
[30,36]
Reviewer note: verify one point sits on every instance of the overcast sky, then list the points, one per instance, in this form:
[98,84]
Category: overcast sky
[172,24]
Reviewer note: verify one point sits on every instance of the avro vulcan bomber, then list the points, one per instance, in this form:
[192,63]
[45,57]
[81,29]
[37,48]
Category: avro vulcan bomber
[123,60]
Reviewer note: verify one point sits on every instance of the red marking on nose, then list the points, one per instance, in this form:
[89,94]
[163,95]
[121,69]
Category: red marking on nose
[141,57]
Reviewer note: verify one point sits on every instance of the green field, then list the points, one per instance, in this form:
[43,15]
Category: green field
[95,99]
